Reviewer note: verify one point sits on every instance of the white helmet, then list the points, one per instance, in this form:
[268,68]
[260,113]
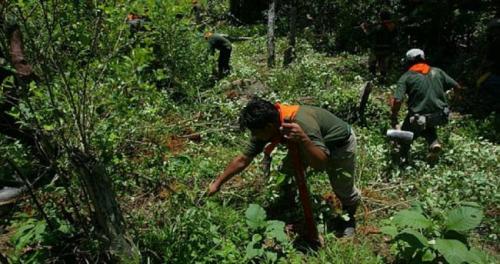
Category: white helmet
[413,54]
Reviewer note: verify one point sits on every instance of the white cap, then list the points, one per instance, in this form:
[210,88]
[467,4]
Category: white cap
[414,53]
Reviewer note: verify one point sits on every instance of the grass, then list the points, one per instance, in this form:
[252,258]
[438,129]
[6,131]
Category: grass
[161,174]
[467,170]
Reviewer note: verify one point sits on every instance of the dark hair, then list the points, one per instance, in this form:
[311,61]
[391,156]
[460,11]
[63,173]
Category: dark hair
[257,114]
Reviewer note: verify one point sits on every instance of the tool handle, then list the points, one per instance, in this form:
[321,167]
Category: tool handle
[312,232]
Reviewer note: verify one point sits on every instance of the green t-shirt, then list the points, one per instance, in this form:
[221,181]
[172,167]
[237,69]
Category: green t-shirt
[323,128]
[426,92]
[219,42]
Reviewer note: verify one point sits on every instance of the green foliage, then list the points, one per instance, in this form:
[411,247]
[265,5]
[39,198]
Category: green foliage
[209,234]
[256,216]
[344,252]
[411,219]
[182,61]
[463,218]
[419,239]
[34,240]
[269,241]
[31,231]
[134,98]
[452,250]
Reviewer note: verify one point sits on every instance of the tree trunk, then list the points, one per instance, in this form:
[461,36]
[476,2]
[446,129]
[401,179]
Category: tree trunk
[292,33]
[106,210]
[271,19]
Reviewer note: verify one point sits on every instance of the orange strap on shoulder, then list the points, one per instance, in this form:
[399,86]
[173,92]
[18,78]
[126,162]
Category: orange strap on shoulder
[422,68]
[287,113]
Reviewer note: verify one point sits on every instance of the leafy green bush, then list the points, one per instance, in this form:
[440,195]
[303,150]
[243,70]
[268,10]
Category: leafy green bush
[269,240]
[208,234]
[421,239]
[34,241]
[125,93]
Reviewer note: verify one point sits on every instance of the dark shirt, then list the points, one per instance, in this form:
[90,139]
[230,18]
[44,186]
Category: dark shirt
[426,92]
[218,42]
[382,37]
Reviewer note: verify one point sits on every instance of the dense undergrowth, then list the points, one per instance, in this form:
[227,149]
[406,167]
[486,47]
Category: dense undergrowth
[164,129]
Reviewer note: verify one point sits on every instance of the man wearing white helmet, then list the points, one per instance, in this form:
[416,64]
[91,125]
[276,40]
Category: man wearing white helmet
[426,88]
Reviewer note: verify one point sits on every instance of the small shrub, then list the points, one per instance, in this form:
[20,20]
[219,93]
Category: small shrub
[418,238]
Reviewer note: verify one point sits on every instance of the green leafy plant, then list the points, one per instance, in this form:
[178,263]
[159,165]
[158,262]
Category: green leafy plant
[34,240]
[269,239]
[418,238]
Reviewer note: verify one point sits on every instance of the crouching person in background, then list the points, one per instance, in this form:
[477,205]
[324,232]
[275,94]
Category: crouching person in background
[223,45]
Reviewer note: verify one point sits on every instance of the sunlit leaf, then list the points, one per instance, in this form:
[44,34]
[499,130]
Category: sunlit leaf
[454,251]
[256,216]
[463,218]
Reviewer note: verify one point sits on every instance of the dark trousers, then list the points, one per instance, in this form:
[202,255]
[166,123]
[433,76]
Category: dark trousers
[429,133]
[379,59]
[224,57]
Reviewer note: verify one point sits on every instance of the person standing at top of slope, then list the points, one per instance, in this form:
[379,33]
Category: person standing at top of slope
[382,37]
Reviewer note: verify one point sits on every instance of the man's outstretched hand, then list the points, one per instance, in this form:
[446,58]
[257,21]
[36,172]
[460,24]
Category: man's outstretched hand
[213,188]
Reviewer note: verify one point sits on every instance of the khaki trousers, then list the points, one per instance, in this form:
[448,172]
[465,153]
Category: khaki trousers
[341,172]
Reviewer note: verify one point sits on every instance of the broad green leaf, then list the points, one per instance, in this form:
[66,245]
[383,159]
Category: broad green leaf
[389,230]
[276,229]
[256,238]
[476,256]
[271,256]
[411,219]
[452,250]
[413,238]
[252,252]
[463,218]
[416,206]
[255,216]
